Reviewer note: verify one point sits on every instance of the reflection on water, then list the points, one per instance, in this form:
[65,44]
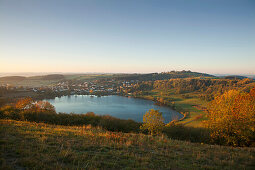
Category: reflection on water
[117,106]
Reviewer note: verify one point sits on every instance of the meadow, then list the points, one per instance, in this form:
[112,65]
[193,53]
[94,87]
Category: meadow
[43,146]
[192,105]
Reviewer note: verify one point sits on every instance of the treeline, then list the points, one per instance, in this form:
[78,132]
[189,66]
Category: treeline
[160,76]
[207,88]
[42,111]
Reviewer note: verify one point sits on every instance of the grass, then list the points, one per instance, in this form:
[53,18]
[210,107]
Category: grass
[195,116]
[42,146]
[188,105]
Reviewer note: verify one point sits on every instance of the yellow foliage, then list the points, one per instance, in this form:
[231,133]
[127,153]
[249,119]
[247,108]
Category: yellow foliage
[153,122]
[231,118]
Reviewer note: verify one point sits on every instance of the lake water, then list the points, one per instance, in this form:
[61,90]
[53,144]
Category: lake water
[116,106]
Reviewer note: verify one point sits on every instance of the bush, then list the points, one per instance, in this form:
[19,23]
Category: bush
[114,124]
[9,112]
[192,134]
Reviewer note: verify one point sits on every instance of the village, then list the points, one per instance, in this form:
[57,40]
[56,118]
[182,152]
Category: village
[67,87]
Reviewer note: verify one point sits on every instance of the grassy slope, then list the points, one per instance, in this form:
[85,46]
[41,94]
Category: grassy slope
[196,115]
[184,105]
[41,146]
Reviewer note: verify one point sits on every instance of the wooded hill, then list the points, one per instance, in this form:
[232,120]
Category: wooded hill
[141,77]
[161,76]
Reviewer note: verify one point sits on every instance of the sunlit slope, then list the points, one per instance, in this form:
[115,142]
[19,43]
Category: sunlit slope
[43,146]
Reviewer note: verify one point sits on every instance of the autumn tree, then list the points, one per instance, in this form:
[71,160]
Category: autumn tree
[24,104]
[153,121]
[231,118]
[44,106]
[29,105]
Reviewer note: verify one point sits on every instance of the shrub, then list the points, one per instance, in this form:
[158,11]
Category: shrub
[9,112]
[192,134]
[114,124]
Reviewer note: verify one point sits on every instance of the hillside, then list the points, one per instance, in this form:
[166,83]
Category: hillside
[33,81]
[161,76]
[187,95]
[235,77]
[12,78]
[38,81]
[43,146]
[48,77]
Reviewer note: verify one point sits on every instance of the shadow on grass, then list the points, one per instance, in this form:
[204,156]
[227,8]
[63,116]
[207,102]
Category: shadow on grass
[192,134]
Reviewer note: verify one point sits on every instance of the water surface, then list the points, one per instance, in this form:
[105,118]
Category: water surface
[117,106]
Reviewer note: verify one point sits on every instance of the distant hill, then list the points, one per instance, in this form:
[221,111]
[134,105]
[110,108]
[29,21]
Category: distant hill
[53,77]
[235,77]
[161,76]
[12,78]
[33,81]
[37,81]
[241,76]
[21,78]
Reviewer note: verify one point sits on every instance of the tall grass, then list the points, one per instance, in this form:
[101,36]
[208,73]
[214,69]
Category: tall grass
[30,145]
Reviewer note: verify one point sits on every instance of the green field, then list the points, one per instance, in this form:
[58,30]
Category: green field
[43,146]
[192,105]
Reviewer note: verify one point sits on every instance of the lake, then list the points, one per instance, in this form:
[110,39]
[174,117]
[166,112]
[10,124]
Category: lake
[116,106]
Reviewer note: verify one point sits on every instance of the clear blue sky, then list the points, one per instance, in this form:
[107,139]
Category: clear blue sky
[213,36]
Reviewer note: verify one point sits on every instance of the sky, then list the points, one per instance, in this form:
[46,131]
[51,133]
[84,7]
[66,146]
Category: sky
[117,36]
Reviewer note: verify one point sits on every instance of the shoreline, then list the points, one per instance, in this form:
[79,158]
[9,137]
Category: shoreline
[42,97]
[184,114]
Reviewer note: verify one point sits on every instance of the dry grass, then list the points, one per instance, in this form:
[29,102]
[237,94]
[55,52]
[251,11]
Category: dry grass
[42,146]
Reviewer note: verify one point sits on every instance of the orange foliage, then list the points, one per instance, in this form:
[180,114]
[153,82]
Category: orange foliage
[231,118]
[24,104]
[27,104]
[44,106]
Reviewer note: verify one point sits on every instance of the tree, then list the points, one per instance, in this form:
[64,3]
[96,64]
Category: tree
[28,105]
[231,118]
[25,103]
[44,106]
[153,121]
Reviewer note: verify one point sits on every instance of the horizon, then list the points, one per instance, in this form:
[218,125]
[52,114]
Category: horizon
[53,36]
[31,74]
